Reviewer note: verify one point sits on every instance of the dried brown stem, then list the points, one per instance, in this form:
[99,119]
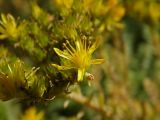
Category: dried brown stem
[84,101]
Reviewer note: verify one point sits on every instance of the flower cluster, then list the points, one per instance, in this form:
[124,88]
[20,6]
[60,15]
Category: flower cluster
[147,10]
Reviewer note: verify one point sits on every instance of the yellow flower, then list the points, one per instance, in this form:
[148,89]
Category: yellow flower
[31,114]
[79,56]
[118,13]
[112,3]
[8,27]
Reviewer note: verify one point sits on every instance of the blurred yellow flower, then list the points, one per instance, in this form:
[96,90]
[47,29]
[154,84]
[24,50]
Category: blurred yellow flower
[79,57]
[146,10]
[8,27]
[31,114]
[64,3]
[154,13]
[90,5]
[112,3]
[118,13]
[63,6]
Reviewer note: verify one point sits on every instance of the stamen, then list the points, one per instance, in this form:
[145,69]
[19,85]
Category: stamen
[89,45]
[85,44]
[65,46]
[73,49]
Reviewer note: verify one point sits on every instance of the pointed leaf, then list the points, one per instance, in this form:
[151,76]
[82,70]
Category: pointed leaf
[62,67]
[94,46]
[62,53]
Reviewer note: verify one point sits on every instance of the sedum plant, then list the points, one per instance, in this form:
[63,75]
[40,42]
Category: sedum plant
[43,55]
[48,49]
[9,28]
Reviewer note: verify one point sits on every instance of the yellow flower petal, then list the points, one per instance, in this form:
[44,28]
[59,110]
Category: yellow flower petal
[3,36]
[11,20]
[78,46]
[62,53]
[97,61]
[81,73]
[94,46]
[2,30]
[61,67]
[4,21]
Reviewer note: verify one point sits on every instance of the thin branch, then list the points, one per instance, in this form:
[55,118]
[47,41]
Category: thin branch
[84,101]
